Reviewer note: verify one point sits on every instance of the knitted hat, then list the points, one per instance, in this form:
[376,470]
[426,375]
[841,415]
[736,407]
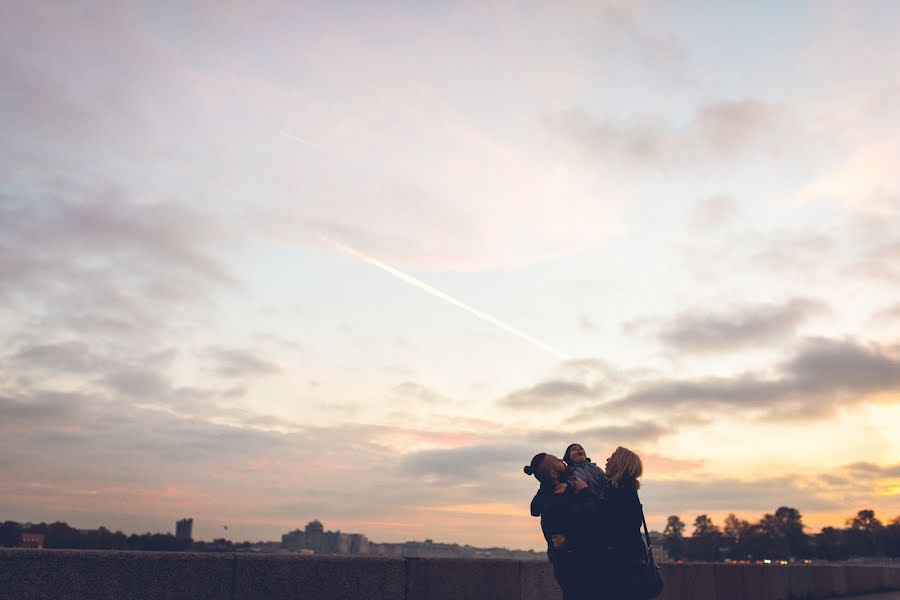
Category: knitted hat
[568,454]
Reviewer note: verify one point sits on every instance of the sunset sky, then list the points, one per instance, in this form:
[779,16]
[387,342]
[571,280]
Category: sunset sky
[267,262]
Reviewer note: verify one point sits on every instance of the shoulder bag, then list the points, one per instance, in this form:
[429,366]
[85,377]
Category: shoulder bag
[650,582]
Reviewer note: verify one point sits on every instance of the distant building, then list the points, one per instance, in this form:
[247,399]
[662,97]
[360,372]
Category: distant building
[32,540]
[359,544]
[335,542]
[183,529]
[294,540]
[315,539]
[314,531]
[386,549]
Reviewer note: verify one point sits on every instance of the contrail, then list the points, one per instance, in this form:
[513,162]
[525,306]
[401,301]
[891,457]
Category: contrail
[298,139]
[406,278]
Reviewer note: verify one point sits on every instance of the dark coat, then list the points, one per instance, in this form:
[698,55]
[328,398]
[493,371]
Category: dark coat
[623,518]
[625,549]
[576,516]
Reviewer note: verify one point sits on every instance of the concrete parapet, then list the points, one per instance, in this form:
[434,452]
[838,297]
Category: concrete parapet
[779,582]
[673,580]
[537,581]
[112,575]
[839,580]
[892,578]
[801,582]
[265,576]
[729,582]
[822,581]
[699,582]
[863,579]
[463,579]
[756,582]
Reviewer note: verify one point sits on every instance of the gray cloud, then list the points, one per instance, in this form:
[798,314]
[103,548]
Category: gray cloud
[869,470]
[632,433]
[410,390]
[719,130]
[238,363]
[493,459]
[790,252]
[67,357]
[756,496]
[598,441]
[549,394]
[747,325]
[103,266]
[879,262]
[138,383]
[890,313]
[848,487]
[821,373]
[469,462]
[41,406]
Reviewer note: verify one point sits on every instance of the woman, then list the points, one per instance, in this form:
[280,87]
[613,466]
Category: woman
[623,518]
[570,523]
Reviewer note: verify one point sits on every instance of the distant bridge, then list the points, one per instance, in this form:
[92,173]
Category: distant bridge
[116,575]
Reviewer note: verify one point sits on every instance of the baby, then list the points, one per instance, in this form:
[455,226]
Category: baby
[580,466]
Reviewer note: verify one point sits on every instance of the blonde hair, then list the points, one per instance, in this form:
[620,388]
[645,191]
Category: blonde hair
[628,466]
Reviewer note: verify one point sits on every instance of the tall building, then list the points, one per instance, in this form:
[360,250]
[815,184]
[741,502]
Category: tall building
[314,530]
[183,529]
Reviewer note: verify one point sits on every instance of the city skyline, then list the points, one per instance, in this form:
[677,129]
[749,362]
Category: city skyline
[364,261]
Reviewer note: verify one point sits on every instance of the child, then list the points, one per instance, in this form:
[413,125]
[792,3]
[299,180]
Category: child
[579,466]
[582,468]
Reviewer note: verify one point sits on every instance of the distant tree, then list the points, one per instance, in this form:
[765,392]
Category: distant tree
[772,538]
[60,535]
[735,527]
[863,535]
[864,520]
[10,534]
[673,535]
[104,539]
[703,525]
[158,542]
[831,544]
[790,524]
[705,541]
[891,538]
[734,537]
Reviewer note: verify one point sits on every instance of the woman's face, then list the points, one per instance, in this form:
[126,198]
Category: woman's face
[610,465]
[576,454]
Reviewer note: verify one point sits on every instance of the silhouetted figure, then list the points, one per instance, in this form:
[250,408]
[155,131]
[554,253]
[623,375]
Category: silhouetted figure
[569,522]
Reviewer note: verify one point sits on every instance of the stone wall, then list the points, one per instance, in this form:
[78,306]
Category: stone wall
[109,575]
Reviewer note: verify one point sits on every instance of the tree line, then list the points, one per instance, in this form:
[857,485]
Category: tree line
[781,536]
[61,536]
[778,536]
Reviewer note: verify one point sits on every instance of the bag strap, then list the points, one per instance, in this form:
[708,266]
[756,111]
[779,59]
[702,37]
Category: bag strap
[646,532]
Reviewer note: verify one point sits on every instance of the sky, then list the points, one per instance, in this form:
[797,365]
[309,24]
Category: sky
[267,262]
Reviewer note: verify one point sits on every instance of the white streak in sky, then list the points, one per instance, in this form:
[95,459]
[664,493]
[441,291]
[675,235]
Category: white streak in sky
[295,138]
[406,278]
